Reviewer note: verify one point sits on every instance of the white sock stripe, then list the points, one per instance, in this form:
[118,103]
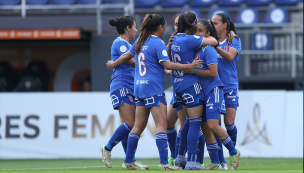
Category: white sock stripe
[230,127]
[126,125]
[172,130]
[228,139]
[201,133]
[134,135]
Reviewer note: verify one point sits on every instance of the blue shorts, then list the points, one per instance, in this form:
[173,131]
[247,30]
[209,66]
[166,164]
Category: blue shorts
[151,101]
[175,104]
[191,97]
[121,95]
[214,105]
[232,98]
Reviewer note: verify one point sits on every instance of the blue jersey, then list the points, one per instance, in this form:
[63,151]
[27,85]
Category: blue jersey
[122,75]
[149,75]
[228,70]
[208,55]
[183,51]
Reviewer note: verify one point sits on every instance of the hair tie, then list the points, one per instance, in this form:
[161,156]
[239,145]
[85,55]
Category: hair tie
[159,24]
[150,16]
[205,24]
[209,21]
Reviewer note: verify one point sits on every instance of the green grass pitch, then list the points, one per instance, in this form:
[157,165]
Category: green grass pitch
[247,165]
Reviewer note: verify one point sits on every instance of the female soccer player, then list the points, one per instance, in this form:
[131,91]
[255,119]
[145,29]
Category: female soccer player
[188,88]
[228,58]
[213,93]
[121,89]
[150,59]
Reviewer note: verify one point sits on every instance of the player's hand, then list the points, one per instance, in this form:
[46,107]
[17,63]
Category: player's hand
[190,71]
[231,37]
[196,63]
[170,40]
[218,49]
[168,72]
[110,64]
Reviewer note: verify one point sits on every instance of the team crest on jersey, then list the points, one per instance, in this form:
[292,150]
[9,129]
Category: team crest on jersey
[131,98]
[227,48]
[197,57]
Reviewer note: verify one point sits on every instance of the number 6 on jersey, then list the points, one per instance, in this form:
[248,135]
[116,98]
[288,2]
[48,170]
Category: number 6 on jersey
[141,64]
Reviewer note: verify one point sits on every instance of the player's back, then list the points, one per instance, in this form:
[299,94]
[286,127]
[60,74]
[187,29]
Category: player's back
[122,75]
[149,72]
[228,70]
[183,51]
[208,55]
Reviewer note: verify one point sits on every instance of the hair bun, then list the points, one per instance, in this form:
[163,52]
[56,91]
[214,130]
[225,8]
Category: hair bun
[150,16]
[113,22]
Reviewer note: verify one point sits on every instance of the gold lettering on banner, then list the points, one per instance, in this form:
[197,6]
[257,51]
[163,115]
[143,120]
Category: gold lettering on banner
[76,126]
[255,133]
[109,124]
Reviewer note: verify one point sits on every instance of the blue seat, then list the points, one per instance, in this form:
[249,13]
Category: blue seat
[287,2]
[115,1]
[230,3]
[64,2]
[276,15]
[217,10]
[174,3]
[194,10]
[146,3]
[261,40]
[10,2]
[88,1]
[202,3]
[36,2]
[247,16]
[259,2]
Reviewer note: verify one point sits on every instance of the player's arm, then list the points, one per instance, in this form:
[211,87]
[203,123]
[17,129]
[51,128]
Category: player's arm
[122,59]
[174,66]
[169,46]
[211,72]
[131,62]
[209,41]
[228,56]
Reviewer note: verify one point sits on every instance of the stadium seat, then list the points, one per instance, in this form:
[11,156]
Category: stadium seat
[173,3]
[202,3]
[115,1]
[276,15]
[259,2]
[64,2]
[10,2]
[194,10]
[217,10]
[36,2]
[88,2]
[229,3]
[287,2]
[247,16]
[261,40]
[146,3]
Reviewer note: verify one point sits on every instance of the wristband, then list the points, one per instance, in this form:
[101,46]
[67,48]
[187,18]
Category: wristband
[194,71]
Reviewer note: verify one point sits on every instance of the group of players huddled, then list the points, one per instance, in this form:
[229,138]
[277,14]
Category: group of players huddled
[202,57]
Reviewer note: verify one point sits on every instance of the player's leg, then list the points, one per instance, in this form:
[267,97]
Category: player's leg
[220,150]
[182,119]
[141,120]
[200,150]
[171,132]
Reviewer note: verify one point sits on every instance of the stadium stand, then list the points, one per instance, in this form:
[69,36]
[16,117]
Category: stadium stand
[202,3]
[64,2]
[173,3]
[10,2]
[195,10]
[229,3]
[287,2]
[37,2]
[261,40]
[146,4]
[247,16]
[214,11]
[259,2]
[276,15]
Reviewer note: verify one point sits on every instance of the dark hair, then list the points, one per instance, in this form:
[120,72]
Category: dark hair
[176,15]
[121,23]
[150,24]
[230,24]
[210,28]
[186,21]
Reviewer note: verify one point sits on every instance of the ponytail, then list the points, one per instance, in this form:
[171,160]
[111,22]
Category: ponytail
[148,27]
[187,21]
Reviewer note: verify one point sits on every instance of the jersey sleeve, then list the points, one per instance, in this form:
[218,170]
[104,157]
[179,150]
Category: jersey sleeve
[121,47]
[211,55]
[194,41]
[236,44]
[162,53]
[132,49]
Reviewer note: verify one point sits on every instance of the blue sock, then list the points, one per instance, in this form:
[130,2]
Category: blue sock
[171,132]
[132,146]
[232,132]
[220,149]
[200,148]
[177,141]
[183,139]
[229,145]
[192,138]
[213,153]
[124,143]
[162,145]
[123,130]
